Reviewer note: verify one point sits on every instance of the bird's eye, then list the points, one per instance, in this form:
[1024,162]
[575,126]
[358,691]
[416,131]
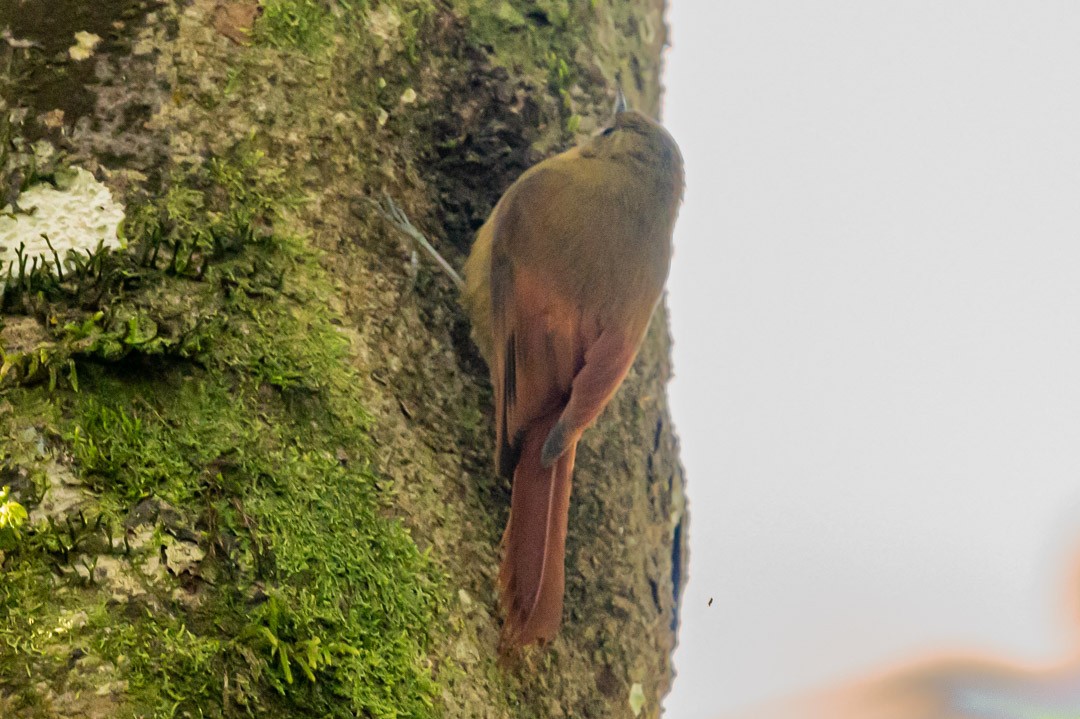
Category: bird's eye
[608,131]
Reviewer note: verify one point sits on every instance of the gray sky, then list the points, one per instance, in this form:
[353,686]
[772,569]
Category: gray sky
[875,304]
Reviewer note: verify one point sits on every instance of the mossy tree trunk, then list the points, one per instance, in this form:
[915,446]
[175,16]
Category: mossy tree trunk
[255,444]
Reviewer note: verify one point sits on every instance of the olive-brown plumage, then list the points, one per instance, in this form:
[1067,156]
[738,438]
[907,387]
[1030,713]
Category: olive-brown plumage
[560,285]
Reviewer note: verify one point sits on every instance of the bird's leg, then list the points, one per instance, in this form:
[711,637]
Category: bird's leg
[390,210]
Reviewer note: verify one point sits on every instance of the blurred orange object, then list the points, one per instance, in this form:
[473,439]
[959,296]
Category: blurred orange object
[951,686]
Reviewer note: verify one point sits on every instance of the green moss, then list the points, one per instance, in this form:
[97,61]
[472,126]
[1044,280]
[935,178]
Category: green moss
[524,33]
[303,25]
[214,381]
[29,616]
[347,600]
[208,216]
[12,517]
[171,671]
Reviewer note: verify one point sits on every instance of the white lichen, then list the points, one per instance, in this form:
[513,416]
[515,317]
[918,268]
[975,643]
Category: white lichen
[76,216]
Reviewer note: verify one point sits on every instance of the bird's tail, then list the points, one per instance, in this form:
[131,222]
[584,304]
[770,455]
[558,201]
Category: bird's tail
[532,571]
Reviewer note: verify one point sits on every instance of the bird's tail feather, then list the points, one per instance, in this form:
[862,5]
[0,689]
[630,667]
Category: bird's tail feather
[532,573]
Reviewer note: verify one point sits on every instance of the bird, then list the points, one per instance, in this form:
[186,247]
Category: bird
[560,286]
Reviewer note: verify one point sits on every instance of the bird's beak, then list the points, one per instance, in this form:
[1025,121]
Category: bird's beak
[620,101]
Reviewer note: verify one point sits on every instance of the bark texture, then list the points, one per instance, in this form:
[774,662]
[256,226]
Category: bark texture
[255,446]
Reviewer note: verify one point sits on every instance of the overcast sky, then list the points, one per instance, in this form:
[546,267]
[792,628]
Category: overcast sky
[875,303]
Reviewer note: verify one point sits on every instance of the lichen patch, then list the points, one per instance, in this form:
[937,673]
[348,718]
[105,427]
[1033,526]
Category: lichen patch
[64,495]
[85,43]
[78,215]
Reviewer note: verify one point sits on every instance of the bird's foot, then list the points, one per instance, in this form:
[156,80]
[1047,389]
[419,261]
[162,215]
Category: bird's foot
[390,210]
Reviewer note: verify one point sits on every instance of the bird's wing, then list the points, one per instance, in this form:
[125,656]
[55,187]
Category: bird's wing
[538,349]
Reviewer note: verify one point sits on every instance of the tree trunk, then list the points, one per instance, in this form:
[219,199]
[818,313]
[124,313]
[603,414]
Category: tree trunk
[255,442]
